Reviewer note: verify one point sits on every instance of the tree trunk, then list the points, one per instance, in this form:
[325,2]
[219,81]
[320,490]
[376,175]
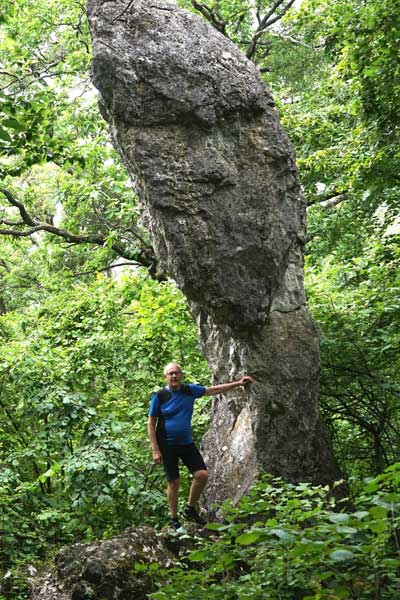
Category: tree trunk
[215,173]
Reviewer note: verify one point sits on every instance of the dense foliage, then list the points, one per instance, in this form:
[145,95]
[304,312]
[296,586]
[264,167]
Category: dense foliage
[291,541]
[83,340]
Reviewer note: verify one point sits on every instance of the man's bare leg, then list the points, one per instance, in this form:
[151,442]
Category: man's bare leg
[172,497]
[198,484]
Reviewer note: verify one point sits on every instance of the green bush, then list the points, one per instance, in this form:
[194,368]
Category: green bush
[301,544]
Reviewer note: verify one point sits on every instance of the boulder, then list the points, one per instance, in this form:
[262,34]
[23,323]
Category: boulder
[113,569]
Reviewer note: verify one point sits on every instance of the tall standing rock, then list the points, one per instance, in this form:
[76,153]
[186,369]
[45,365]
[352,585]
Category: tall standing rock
[215,173]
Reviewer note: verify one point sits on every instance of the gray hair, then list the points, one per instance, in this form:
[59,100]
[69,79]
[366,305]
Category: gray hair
[171,364]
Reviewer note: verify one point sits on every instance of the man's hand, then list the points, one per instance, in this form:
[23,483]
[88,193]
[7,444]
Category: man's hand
[245,380]
[225,387]
[157,457]
[151,429]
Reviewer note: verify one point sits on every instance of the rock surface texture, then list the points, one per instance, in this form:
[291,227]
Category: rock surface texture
[106,570]
[216,177]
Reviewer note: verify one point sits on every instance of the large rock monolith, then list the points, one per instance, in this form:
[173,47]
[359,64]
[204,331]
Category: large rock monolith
[215,173]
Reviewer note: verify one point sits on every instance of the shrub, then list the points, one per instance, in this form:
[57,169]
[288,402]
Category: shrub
[300,544]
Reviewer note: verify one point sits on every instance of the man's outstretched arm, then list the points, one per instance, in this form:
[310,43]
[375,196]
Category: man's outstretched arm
[224,387]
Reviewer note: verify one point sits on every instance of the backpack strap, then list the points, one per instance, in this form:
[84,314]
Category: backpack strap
[164,395]
[186,390]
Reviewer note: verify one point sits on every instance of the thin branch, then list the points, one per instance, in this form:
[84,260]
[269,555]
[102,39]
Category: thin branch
[213,17]
[145,257]
[8,74]
[239,22]
[280,15]
[121,14]
[330,201]
[115,227]
[11,223]
[258,12]
[69,237]
[134,232]
[22,210]
[289,38]
[266,22]
[247,42]
[367,373]
[274,7]
[107,268]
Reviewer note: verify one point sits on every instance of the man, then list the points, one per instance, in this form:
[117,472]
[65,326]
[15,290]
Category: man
[170,433]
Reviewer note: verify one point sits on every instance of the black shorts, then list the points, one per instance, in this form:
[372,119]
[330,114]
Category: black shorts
[189,455]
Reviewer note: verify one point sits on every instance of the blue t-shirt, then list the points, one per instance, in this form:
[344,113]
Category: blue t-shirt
[176,413]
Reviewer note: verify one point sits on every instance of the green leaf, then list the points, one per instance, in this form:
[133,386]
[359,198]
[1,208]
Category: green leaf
[377,526]
[282,534]
[13,124]
[218,526]
[249,538]
[346,529]
[4,135]
[201,555]
[378,512]
[339,517]
[360,514]
[372,487]
[391,563]
[340,555]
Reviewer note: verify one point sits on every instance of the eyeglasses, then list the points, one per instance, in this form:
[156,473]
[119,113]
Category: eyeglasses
[173,373]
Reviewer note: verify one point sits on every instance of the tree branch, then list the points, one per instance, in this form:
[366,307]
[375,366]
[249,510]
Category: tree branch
[213,17]
[291,39]
[366,372]
[22,210]
[132,263]
[266,22]
[145,257]
[329,202]
[334,201]
[121,14]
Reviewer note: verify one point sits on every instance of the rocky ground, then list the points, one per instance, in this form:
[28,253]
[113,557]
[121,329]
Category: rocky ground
[113,569]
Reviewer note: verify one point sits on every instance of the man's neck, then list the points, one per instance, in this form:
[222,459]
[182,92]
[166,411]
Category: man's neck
[174,389]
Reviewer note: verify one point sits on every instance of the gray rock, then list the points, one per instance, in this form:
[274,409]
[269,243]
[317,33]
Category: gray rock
[216,176]
[105,570]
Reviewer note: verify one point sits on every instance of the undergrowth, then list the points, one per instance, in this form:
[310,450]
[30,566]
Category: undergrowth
[300,544]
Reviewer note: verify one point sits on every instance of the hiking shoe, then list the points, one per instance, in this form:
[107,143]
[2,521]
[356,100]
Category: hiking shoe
[175,524]
[191,514]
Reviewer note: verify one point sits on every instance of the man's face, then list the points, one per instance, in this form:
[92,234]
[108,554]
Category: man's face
[173,377]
